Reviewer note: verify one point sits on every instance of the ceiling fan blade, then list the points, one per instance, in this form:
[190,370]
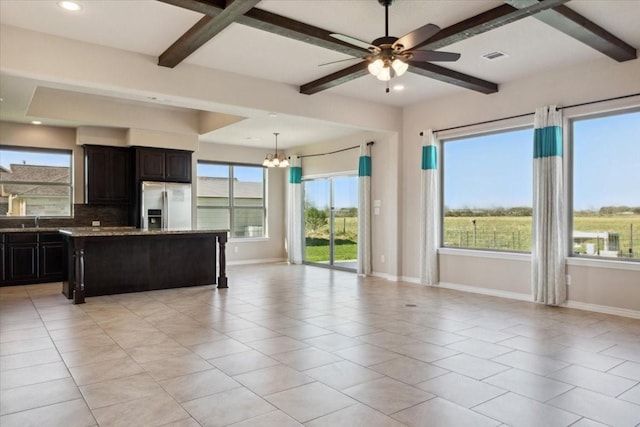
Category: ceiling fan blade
[340,60]
[433,55]
[417,36]
[354,42]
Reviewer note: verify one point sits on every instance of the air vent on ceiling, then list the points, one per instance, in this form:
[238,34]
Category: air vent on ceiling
[492,56]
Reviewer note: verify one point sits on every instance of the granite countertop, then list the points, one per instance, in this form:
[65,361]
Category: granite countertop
[29,229]
[126,231]
[104,231]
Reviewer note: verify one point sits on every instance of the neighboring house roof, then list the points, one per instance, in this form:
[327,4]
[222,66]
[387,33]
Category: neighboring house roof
[35,173]
[219,187]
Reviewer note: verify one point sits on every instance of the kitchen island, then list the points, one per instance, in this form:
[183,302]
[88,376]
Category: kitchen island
[113,260]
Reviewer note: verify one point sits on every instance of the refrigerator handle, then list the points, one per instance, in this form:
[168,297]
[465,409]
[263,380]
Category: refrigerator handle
[165,209]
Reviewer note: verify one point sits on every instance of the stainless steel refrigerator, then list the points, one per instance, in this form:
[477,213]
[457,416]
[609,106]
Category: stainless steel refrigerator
[165,206]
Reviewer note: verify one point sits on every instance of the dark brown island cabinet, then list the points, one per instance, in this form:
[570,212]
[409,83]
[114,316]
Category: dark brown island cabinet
[108,175]
[106,261]
[31,257]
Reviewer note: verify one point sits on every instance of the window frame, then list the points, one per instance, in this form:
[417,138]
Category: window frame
[231,207]
[581,113]
[69,185]
[509,125]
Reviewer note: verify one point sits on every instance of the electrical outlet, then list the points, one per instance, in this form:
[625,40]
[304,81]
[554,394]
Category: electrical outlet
[568,279]
[382,258]
[235,249]
[95,223]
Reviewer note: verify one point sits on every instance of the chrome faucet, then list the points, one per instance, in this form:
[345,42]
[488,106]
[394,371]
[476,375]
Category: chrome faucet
[36,220]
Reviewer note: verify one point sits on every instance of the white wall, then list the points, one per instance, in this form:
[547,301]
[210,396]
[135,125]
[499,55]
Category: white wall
[614,288]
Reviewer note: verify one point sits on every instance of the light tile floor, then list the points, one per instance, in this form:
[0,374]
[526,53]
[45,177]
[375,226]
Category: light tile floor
[300,345]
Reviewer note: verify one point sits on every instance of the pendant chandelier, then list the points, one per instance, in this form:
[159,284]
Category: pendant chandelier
[275,160]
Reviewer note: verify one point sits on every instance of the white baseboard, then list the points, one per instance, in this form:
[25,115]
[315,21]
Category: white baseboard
[486,291]
[597,308]
[408,279]
[624,312]
[386,276]
[256,261]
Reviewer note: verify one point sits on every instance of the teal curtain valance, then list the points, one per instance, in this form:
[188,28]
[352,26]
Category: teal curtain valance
[295,175]
[547,142]
[364,166]
[429,157]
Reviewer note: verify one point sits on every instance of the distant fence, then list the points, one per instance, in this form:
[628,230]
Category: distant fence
[624,243]
[488,239]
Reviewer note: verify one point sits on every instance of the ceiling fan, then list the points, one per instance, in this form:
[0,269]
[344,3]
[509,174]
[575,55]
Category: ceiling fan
[391,56]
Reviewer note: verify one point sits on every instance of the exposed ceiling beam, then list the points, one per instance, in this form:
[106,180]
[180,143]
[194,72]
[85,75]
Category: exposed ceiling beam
[286,27]
[335,79]
[276,24]
[203,31]
[502,15]
[577,26]
[446,75]
[486,21]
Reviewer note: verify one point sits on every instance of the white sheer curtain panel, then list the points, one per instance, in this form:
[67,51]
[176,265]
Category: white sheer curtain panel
[429,208]
[549,225]
[364,210]
[294,212]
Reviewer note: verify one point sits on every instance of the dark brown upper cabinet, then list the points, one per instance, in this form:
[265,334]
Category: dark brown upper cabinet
[108,175]
[156,164]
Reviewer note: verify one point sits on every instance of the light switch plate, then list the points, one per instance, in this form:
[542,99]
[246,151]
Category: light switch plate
[95,223]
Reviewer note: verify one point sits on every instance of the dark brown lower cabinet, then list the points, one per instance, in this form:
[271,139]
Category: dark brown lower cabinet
[32,258]
[51,257]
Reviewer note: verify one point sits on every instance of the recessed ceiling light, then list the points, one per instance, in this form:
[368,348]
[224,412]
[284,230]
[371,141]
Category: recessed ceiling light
[36,122]
[71,6]
[398,87]
[273,114]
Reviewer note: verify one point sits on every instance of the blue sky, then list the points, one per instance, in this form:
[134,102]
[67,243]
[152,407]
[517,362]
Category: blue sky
[496,170]
[345,192]
[8,157]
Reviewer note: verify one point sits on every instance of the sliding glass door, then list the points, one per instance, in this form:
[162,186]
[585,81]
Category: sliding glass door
[331,221]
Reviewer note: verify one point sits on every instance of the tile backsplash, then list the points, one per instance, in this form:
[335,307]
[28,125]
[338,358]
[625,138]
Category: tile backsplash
[83,216]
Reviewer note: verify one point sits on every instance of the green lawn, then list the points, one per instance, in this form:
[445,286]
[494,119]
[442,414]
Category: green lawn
[317,250]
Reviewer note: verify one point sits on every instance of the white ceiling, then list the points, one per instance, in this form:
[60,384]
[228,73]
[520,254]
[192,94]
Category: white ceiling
[149,27]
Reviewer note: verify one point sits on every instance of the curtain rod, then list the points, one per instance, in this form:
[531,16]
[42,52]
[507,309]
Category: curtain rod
[531,114]
[334,152]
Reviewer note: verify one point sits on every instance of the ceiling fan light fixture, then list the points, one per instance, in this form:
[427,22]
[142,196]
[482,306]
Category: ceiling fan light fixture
[385,74]
[399,66]
[376,67]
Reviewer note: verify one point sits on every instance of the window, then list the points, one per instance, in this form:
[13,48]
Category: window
[487,191]
[35,182]
[231,197]
[606,185]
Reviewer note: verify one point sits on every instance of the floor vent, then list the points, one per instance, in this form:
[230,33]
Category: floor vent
[411,305]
